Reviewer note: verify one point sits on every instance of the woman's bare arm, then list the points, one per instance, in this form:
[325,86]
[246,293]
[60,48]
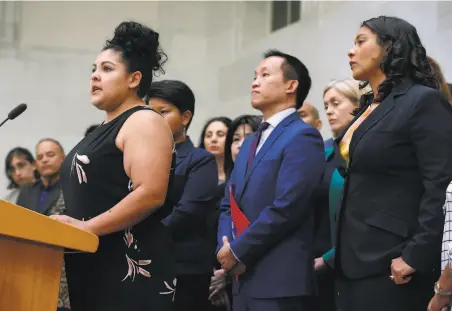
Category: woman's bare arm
[147,143]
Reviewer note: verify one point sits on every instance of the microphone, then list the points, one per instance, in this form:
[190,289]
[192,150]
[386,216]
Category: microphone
[15,113]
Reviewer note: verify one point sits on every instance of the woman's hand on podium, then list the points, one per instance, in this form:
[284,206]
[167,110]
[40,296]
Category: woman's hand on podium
[72,222]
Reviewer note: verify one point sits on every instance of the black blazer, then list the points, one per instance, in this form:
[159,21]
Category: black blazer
[400,167]
[29,197]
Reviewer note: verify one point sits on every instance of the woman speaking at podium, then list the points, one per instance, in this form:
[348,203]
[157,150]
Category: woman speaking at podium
[115,182]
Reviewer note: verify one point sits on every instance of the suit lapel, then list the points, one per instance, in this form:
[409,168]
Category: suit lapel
[375,116]
[183,149]
[53,195]
[35,194]
[266,147]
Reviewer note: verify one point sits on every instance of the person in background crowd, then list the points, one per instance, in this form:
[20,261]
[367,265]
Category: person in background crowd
[194,195]
[341,98]
[241,127]
[20,169]
[91,128]
[398,167]
[310,115]
[239,130]
[115,182]
[439,76]
[44,195]
[274,177]
[213,136]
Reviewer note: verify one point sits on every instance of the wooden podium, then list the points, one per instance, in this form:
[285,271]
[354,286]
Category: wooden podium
[31,256]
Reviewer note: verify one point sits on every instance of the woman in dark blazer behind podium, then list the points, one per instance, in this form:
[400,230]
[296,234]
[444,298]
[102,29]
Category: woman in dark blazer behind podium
[398,152]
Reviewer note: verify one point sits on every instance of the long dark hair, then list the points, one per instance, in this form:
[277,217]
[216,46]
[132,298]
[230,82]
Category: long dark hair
[254,122]
[225,120]
[17,152]
[405,55]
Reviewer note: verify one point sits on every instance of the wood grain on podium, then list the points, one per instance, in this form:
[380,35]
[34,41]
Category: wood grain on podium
[26,283]
[31,257]
[39,228]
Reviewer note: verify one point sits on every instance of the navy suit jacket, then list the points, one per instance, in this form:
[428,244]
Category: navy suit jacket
[30,194]
[194,194]
[275,194]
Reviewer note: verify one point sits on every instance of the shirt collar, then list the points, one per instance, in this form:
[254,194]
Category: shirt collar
[278,117]
[183,148]
[49,187]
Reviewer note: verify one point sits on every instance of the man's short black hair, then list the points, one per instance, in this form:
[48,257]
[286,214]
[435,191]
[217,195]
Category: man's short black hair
[294,69]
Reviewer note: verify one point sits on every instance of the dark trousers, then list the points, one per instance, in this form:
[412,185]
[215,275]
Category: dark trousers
[242,301]
[192,293]
[381,293]
[325,299]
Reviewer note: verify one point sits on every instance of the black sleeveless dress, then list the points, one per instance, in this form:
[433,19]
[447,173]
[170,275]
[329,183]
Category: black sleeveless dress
[133,270]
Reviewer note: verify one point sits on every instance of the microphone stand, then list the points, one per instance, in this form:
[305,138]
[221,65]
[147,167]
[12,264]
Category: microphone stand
[4,121]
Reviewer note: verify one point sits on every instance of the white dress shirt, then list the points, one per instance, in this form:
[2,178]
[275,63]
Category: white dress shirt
[273,121]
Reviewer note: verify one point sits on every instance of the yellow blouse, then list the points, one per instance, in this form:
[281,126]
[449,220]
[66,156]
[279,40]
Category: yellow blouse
[344,144]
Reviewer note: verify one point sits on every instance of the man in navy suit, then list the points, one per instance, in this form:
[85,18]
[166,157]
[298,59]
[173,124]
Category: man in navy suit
[273,180]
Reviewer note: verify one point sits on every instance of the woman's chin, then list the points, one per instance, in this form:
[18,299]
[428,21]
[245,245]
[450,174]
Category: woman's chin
[96,103]
[359,75]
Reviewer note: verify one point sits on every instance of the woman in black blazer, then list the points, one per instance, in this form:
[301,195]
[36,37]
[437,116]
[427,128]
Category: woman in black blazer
[398,152]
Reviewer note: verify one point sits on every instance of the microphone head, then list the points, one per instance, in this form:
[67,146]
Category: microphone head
[17,111]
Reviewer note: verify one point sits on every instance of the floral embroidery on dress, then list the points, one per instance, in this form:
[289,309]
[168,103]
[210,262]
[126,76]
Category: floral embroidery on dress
[171,290]
[128,237]
[134,267]
[78,167]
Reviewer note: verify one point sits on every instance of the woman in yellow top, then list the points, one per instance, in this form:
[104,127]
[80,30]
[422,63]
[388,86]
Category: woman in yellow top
[398,153]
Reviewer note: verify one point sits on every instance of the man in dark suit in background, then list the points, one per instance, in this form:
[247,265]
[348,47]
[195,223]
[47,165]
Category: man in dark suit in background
[45,195]
[276,171]
[42,196]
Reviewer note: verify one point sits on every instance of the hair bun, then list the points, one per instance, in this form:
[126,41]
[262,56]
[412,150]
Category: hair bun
[138,41]
[140,49]
[133,33]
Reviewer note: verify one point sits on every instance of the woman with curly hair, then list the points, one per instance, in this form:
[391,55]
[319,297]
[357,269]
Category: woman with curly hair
[398,165]
[115,183]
